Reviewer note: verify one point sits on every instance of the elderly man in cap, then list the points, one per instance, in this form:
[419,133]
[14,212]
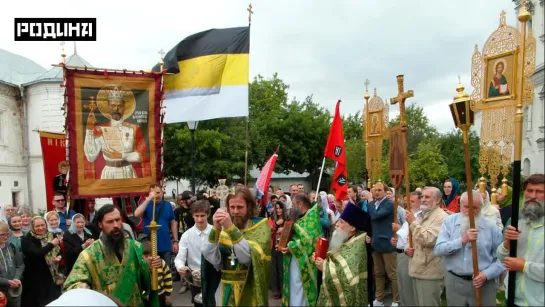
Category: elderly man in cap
[454,245]
[345,267]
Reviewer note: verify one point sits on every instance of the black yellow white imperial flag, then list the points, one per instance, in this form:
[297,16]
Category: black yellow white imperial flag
[211,74]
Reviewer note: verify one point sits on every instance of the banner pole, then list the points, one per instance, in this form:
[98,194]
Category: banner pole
[320,178]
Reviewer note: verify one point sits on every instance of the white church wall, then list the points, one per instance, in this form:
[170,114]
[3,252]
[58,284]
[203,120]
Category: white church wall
[44,101]
[533,154]
[13,174]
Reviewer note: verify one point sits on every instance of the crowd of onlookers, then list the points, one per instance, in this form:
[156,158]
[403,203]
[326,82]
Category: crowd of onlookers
[37,253]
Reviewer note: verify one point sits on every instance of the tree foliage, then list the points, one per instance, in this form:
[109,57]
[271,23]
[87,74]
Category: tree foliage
[428,167]
[300,128]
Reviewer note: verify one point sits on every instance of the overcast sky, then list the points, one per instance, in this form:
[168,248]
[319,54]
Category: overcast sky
[319,47]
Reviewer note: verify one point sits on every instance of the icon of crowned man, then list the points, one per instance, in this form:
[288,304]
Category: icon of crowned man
[124,150]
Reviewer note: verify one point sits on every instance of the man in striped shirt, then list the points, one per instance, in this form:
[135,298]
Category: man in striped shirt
[164,277]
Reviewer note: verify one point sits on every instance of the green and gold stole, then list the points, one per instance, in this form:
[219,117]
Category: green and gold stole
[128,281]
[302,244]
[242,285]
[344,280]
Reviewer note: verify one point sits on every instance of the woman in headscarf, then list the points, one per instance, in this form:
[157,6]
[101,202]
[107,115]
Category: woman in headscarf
[451,196]
[76,239]
[42,256]
[11,268]
[286,199]
[16,233]
[26,215]
[52,219]
[505,202]
[325,221]
[276,221]
[9,211]
[490,212]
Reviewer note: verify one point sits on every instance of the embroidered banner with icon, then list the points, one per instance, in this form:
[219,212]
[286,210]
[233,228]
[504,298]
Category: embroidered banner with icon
[55,164]
[114,131]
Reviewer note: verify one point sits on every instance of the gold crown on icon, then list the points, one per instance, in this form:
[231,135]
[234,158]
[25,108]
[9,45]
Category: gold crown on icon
[116,94]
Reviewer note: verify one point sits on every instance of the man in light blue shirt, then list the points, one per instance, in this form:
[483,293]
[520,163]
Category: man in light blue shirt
[454,245]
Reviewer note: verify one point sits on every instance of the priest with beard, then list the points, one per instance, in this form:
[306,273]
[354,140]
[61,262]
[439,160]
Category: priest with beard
[345,267]
[529,263]
[114,265]
[237,255]
[454,245]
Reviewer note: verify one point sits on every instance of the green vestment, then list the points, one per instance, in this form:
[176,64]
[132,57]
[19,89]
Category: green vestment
[306,232]
[242,285]
[344,278]
[128,281]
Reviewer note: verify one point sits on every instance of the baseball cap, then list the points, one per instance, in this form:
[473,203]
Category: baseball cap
[187,195]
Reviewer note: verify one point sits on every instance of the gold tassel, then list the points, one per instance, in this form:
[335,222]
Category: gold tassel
[482,185]
[504,186]
[493,197]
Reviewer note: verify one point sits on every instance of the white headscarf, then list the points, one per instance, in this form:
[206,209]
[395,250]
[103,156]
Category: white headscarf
[288,202]
[490,212]
[82,297]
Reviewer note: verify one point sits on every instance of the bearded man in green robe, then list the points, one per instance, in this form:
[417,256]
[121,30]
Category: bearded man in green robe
[300,285]
[237,255]
[114,265]
[345,267]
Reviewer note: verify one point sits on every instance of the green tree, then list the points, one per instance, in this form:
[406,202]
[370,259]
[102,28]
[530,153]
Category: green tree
[214,156]
[299,127]
[353,126]
[451,146]
[419,127]
[428,167]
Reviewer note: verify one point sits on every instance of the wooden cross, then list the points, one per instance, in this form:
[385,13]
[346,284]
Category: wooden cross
[400,98]
[250,12]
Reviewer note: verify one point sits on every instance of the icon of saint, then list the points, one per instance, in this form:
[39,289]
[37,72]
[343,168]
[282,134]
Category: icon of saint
[498,86]
[121,143]
[376,125]
[396,160]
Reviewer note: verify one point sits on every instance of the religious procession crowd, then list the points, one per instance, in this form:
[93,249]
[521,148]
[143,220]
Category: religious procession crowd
[308,248]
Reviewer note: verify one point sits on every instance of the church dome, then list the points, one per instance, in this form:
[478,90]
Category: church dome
[17,70]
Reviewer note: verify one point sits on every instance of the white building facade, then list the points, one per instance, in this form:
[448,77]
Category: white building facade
[13,170]
[533,140]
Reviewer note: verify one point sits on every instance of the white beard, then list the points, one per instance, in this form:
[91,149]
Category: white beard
[464,223]
[338,238]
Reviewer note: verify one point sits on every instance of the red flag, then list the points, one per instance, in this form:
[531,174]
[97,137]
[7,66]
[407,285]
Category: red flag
[262,183]
[53,153]
[334,150]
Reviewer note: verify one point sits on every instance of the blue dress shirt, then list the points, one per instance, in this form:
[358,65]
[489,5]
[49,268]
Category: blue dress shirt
[457,256]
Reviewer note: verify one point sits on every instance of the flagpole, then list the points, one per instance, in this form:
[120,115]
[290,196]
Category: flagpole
[250,12]
[320,178]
